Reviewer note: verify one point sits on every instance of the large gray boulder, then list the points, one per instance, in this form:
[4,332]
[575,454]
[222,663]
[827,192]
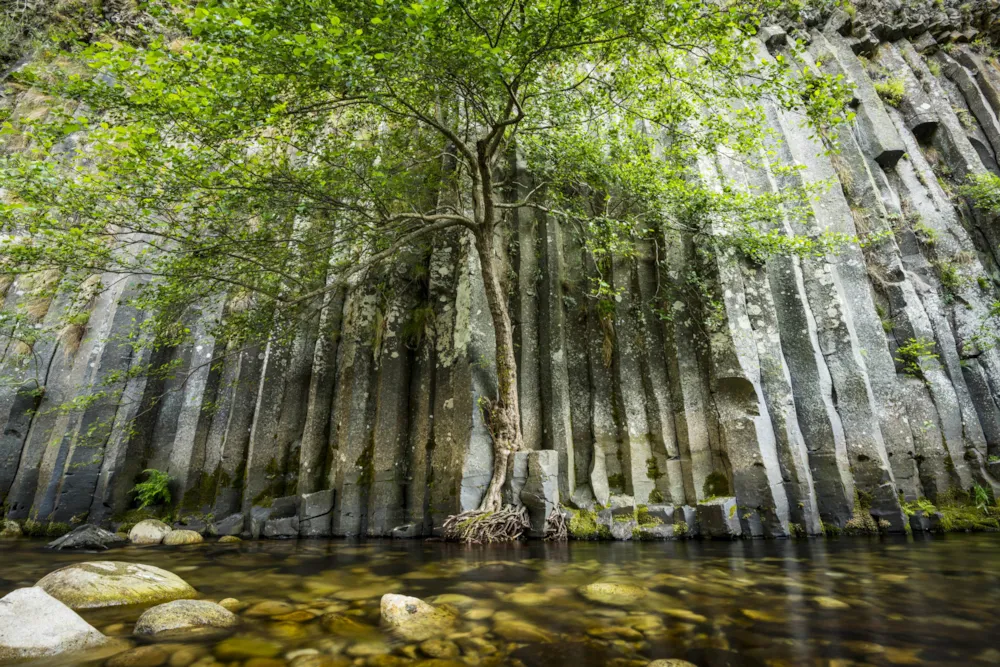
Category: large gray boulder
[109,584]
[185,616]
[316,512]
[88,537]
[35,624]
[148,531]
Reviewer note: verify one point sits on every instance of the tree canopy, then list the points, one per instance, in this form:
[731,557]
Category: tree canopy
[267,151]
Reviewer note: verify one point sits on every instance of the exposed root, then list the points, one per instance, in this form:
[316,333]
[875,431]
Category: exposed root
[483,527]
[555,527]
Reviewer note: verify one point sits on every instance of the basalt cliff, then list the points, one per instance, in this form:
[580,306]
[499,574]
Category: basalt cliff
[770,399]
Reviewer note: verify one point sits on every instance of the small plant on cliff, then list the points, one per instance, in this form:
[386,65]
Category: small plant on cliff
[155,490]
[983,190]
[891,91]
[913,354]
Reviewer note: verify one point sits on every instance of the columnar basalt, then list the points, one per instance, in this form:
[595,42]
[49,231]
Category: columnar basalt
[783,383]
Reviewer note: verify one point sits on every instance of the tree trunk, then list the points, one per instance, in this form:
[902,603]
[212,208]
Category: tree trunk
[504,418]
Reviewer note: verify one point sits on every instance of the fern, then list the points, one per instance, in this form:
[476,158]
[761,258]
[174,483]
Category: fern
[155,490]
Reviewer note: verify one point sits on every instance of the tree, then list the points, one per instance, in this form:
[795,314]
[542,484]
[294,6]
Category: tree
[278,149]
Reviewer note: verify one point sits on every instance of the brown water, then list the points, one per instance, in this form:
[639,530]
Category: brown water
[851,601]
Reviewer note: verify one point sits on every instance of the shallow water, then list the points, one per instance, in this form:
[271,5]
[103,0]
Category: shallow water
[850,601]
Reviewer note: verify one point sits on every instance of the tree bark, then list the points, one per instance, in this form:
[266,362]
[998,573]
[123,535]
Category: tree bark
[504,418]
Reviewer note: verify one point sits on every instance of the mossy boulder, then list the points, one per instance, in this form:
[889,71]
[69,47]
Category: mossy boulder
[413,619]
[185,616]
[613,593]
[110,583]
[149,531]
[178,537]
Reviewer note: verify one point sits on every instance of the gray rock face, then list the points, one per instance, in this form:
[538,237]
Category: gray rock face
[184,617]
[780,377]
[540,493]
[87,537]
[719,519]
[35,624]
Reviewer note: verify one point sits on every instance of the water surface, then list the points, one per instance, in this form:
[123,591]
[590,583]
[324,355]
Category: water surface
[849,601]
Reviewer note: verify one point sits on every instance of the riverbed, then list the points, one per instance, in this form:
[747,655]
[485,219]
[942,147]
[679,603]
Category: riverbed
[848,601]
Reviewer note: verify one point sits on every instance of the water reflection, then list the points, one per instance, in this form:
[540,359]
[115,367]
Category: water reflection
[929,600]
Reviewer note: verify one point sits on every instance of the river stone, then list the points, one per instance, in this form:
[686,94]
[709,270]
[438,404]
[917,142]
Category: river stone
[143,656]
[33,624]
[87,537]
[229,539]
[246,648]
[520,631]
[231,525]
[613,593]
[671,662]
[178,537]
[414,619]
[148,531]
[184,615]
[109,583]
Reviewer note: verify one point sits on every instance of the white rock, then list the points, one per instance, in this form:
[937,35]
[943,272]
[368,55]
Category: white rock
[148,531]
[33,624]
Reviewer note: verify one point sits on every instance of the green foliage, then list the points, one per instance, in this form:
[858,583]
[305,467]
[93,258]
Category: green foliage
[983,190]
[891,91]
[913,354]
[155,490]
[716,485]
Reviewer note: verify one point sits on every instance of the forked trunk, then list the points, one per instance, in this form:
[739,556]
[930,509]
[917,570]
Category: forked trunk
[504,417]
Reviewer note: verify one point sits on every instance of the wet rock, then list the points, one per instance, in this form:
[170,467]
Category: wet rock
[245,648]
[264,662]
[346,626]
[10,530]
[34,624]
[830,603]
[719,519]
[671,662]
[232,604]
[615,632]
[229,539]
[439,648]
[89,537]
[109,583]
[316,512]
[196,524]
[285,528]
[269,608]
[413,619]
[405,532]
[369,648]
[258,517]
[143,656]
[320,661]
[185,615]
[148,531]
[610,593]
[520,631]
[179,537]
[232,525]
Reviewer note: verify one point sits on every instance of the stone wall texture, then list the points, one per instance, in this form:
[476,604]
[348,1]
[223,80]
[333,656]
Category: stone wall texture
[784,389]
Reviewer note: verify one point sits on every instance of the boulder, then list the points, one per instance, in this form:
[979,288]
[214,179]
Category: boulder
[719,519]
[194,523]
[258,517]
[413,619]
[613,593]
[10,530]
[316,512]
[34,624]
[185,616]
[285,528]
[178,537]
[87,537]
[406,531]
[231,525]
[110,583]
[148,531]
